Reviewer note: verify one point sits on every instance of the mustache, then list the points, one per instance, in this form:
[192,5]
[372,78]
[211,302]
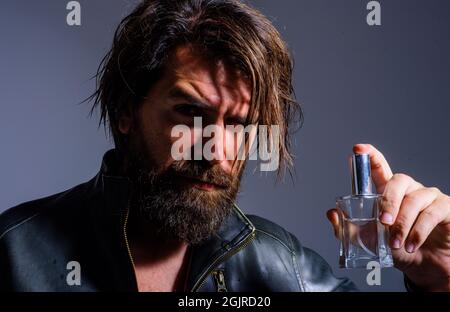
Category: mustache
[197,170]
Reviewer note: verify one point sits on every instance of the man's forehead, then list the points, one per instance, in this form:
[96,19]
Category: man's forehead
[190,61]
[214,80]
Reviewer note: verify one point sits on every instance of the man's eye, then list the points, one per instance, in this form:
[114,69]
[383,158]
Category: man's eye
[236,122]
[189,110]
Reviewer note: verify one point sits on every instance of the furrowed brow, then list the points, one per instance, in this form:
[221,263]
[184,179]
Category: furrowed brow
[179,93]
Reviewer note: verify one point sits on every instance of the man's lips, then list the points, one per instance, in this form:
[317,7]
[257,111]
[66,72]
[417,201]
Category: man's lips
[200,184]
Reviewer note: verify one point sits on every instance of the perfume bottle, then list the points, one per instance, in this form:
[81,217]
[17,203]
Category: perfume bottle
[363,237]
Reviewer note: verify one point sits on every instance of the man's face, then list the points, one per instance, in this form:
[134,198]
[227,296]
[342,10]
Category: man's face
[188,199]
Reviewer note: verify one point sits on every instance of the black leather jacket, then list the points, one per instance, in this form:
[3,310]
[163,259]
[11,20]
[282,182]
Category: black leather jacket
[87,224]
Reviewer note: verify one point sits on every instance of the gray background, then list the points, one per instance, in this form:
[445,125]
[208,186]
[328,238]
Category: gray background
[386,85]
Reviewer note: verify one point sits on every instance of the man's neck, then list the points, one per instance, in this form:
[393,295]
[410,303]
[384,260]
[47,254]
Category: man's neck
[160,263]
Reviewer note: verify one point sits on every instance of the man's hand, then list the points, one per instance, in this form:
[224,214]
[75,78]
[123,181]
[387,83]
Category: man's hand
[418,219]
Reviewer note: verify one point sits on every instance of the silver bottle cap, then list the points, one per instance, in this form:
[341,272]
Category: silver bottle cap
[361,175]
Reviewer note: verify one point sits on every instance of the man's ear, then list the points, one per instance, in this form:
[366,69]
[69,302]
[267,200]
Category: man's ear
[125,122]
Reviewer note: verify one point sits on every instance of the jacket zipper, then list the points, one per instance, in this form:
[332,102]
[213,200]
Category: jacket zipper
[222,258]
[220,280]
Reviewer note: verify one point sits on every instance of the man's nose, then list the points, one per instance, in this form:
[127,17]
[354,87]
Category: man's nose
[213,148]
[213,145]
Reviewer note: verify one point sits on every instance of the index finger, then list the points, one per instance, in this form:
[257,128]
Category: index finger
[381,171]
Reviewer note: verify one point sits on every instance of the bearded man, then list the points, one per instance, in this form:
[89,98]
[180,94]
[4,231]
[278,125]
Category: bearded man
[149,222]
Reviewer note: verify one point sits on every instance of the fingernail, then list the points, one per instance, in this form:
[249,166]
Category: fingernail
[386,218]
[396,243]
[409,247]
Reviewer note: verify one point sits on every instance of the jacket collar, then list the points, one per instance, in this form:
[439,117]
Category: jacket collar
[232,236]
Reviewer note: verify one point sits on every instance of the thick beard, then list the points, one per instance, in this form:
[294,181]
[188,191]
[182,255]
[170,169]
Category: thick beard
[176,210]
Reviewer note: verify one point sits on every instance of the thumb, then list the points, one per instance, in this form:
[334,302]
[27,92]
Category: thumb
[333,217]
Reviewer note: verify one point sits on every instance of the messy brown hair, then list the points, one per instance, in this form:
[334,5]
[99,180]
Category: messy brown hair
[227,29]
